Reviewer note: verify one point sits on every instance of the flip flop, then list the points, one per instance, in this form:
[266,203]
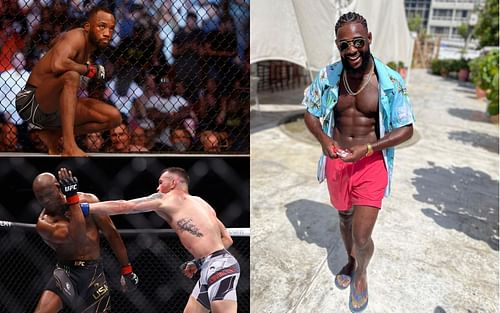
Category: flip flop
[357,299]
[342,281]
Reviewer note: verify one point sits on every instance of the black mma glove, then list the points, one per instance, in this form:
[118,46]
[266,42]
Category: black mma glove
[69,187]
[189,268]
[129,279]
[95,70]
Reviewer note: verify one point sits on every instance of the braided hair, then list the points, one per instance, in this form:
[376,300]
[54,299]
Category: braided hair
[350,17]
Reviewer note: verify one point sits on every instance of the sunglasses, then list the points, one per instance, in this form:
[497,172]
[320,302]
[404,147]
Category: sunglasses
[358,43]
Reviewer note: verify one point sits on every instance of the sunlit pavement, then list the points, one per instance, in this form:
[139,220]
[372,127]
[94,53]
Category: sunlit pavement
[436,238]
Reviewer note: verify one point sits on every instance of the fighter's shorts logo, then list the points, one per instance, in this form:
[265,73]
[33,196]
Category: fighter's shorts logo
[222,273]
[100,291]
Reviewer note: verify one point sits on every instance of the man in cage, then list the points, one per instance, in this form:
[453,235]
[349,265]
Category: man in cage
[78,279]
[49,100]
[200,232]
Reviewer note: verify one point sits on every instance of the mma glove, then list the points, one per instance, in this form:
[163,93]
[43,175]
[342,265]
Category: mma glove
[95,71]
[129,279]
[190,268]
[69,187]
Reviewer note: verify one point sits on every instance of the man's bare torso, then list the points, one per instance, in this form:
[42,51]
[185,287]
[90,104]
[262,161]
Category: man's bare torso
[195,223]
[73,250]
[356,116]
[74,39]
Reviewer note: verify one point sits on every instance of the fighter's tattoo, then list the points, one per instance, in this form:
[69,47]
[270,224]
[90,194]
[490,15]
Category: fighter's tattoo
[186,224]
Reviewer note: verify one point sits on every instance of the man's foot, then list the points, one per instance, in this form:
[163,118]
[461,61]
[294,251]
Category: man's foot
[358,299]
[343,278]
[76,152]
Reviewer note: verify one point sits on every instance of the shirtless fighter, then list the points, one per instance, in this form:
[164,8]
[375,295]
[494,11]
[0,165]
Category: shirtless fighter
[49,100]
[78,278]
[358,110]
[200,232]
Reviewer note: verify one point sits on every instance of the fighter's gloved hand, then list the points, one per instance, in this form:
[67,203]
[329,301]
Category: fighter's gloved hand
[95,71]
[69,187]
[129,279]
[189,268]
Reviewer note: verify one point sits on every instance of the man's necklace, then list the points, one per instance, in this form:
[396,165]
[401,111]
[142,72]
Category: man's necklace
[348,88]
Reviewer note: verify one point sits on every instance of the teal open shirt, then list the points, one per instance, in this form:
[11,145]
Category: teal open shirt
[395,109]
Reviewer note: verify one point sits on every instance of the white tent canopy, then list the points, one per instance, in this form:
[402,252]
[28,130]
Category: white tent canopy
[303,31]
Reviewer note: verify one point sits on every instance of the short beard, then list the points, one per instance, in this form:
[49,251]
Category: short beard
[94,42]
[364,65]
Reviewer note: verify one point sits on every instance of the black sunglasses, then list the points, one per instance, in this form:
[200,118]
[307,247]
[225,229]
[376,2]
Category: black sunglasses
[357,43]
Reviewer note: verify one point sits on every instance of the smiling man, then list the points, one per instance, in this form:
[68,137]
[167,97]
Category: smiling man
[49,100]
[358,110]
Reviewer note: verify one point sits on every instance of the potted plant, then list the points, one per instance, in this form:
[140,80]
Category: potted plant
[475,66]
[402,69]
[463,70]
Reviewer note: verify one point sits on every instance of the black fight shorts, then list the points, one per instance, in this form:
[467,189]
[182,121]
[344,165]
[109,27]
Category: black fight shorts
[29,110]
[81,285]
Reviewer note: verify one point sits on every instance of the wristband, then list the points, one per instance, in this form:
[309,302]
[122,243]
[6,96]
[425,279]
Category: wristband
[74,199]
[85,208]
[126,269]
[369,150]
[91,70]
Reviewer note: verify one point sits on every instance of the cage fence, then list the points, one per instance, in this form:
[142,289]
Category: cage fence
[27,264]
[177,71]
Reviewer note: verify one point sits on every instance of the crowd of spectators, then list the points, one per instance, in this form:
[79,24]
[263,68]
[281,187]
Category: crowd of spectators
[177,70]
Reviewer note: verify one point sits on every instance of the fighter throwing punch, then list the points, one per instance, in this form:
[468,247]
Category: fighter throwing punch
[200,232]
[78,279]
[49,101]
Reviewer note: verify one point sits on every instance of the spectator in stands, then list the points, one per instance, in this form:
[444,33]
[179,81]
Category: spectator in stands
[120,141]
[167,27]
[93,142]
[35,143]
[186,47]
[11,82]
[181,139]
[240,12]
[10,42]
[138,139]
[8,138]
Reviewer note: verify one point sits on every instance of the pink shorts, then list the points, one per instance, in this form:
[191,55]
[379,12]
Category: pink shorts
[358,183]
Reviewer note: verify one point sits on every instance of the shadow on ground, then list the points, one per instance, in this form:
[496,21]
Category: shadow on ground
[470,115]
[317,223]
[262,120]
[476,139]
[463,199]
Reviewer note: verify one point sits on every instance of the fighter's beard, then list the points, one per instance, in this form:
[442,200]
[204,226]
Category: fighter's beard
[360,70]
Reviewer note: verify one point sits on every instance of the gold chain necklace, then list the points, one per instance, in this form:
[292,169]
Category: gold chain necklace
[348,88]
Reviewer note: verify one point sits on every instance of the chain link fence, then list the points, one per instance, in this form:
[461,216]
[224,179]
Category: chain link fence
[177,70]
[27,262]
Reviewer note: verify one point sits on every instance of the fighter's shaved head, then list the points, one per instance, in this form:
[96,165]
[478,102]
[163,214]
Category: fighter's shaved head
[42,181]
[47,192]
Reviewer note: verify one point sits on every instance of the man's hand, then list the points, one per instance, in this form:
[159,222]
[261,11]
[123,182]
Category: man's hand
[69,185]
[355,153]
[95,70]
[129,280]
[189,268]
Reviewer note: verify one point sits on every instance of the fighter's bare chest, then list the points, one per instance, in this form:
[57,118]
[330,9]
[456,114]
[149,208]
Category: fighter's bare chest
[366,102]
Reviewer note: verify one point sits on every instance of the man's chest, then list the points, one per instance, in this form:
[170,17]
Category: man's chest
[366,102]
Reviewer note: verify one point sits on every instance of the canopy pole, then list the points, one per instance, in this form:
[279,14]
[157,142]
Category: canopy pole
[302,39]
